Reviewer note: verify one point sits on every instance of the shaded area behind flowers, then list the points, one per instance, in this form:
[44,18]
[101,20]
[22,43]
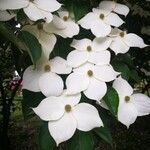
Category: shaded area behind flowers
[23,134]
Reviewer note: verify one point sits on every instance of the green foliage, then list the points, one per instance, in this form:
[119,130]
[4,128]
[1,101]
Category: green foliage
[10,36]
[30,100]
[46,142]
[123,69]
[74,7]
[105,134]
[80,141]
[112,100]
[32,45]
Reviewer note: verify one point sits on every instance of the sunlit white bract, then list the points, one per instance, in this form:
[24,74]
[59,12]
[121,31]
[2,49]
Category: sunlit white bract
[65,115]
[34,9]
[90,79]
[122,41]
[89,51]
[130,105]
[44,78]
[62,25]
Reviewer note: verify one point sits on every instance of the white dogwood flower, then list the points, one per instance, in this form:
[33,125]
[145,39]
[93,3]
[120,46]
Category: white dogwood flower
[46,40]
[44,78]
[122,41]
[114,7]
[62,25]
[100,21]
[34,9]
[5,15]
[65,115]
[89,51]
[130,105]
[90,79]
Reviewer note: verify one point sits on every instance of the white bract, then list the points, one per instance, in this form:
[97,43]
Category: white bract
[130,105]
[100,21]
[90,79]
[122,41]
[5,15]
[115,7]
[62,25]
[89,51]
[65,115]
[44,78]
[34,9]
[46,40]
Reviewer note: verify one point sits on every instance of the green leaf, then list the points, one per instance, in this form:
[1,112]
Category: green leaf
[10,36]
[112,100]
[105,134]
[46,142]
[33,46]
[30,100]
[80,141]
[134,76]
[74,6]
[79,11]
[123,68]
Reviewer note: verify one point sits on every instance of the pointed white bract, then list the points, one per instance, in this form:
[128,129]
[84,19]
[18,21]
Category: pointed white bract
[65,115]
[115,7]
[122,41]
[46,40]
[5,16]
[92,80]
[35,10]
[130,105]
[100,21]
[89,51]
[62,25]
[44,78]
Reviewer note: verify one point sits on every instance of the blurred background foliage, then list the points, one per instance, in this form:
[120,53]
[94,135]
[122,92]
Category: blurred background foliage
[19,133]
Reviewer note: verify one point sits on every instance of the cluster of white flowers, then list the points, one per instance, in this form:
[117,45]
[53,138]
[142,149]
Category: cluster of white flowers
[88,65]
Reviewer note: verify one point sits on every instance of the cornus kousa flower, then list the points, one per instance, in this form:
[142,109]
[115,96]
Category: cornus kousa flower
[130,105]
[5,16]
[44,78]
[90,79]
[89,51]
[122,41]
[65,115]
[100,21]
[34,9]
[46,40]
[62,25]
[115,7]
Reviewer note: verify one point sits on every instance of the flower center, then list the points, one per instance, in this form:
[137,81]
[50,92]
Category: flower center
[40,26]
[90,73]
[31,0]
[121,34]
[47,68]
[68,108]
[89,48]
[65,18]
[127,99]
[102,16]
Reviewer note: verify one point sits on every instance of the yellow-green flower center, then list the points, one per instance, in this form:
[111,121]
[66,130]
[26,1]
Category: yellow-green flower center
[68,108]
[65,18]
[40,26]
[89,48]
[90,73]
[121,34]
[127,99]
[102,16]
[47,68]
